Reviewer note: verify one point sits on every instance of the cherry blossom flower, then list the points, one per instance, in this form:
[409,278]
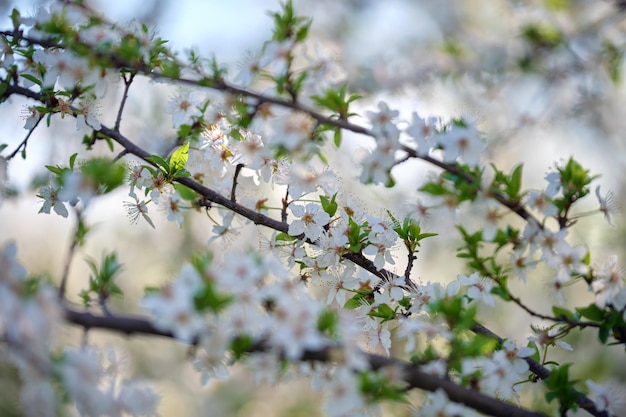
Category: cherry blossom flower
[541,202]
[173,206]
[224,230]
[276,56]
[136,208]
[342,286]
[87,113]
[411,328]
[548,337]
[50,194]
[249,68]
[381,254]
[137,176]
[500,373]
[438,404]
[383,122]
[174,309]
[551,243]
[421,131]
[332,246]
[610,285]
[608,205]
[293,131]
[81,374]
[461,142]
[343,397]
[323,71]
[295,327]
[377,334]
[311,220]
[184,107]
[423,295]
[477,288]
[572,259]
[377,165]
[31,116]
[77,188]
[137,400]
[554,184]
[212,359]
[239,272]
[520,264]
[489,212]
[392,289]
[6,54]
[606,397]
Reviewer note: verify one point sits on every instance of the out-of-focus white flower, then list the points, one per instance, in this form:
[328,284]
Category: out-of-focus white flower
[606,397]
[608,205]
[184,107]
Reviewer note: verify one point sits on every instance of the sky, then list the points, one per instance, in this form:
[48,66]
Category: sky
[222,27]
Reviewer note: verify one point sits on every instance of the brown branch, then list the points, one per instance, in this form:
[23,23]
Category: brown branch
[412,375]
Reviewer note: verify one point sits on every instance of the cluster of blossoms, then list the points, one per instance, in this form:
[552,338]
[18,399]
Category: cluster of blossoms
[94,380]
[245,298]
[259,307]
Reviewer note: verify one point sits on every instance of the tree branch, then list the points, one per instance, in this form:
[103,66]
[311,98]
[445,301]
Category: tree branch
[413,376]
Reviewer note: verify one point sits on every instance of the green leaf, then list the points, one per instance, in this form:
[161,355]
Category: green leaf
[284,237]
[102,279]
[561,387]
[603,333]
[562,313]
[179,158]
[591,312]
[72,160]
[329,205]
[160,162]
[356,301]
[384,312]
[327,322]
[241,345]
[434,188]
[337,137]
[56,170]
[108,175]
[185,192]
[170,69]
[32,79]
[515,183]
[501,292]
[208,299]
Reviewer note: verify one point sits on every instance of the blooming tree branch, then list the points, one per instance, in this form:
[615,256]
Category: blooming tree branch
[256,306]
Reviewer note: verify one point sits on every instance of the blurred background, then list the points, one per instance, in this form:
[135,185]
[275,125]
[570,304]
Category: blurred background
[544,80]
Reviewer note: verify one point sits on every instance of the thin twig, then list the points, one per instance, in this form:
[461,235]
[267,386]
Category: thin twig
[127,83]
[25,141]
[235,177]
[283,210]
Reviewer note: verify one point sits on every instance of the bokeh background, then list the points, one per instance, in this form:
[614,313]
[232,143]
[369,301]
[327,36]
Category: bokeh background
[544,80]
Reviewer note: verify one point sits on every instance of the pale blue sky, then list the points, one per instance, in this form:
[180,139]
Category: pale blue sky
[225,28]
